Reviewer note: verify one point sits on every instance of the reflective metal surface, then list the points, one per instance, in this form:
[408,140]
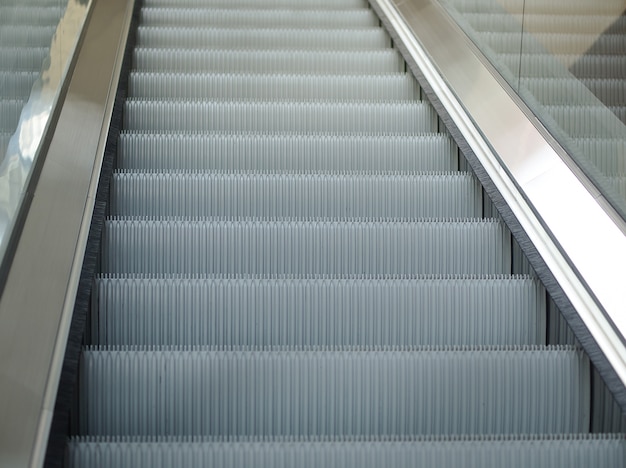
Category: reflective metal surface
[536,178]
[36,116]
[38,299]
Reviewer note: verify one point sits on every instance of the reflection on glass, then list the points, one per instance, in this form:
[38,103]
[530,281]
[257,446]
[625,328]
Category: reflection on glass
[567,59]
[37,40]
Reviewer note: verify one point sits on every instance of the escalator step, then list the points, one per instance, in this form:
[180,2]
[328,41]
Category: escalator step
[283,153]
[332,311]
[10,111]
[14,59]
[305,247]
[586,24]
[619,184]
[314,117]
[606,154]
[583,67]
[259,18]
[17,85]
[26,36]
[572,451]
[269,4]
[304,195]
[586,121]
[557,43]
[218,38]
[357,62]
[392,87]
[452,391]
[535,7]
[35,15]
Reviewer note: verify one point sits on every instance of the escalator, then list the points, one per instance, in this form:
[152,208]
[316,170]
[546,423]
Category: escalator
[300,268]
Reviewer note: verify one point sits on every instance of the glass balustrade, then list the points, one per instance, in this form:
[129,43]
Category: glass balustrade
[567,60]
[37,41]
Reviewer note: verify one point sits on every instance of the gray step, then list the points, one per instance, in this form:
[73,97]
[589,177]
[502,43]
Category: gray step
[550,66]
[13,59]
[26,36]
[226,38]
[392,87]
[301,4]
[38,15]
[558,43]
[357,62]
[568,451]
[567,91]
[619,185]
[305,247]
[606,154]
[10,111]
[315,117]
[609,90]
[333,311]
[4,143]
[17,85]
[293,195]
[447,391]
[535,7]
[281,153]
[259,18]
[586,121]
[534,23]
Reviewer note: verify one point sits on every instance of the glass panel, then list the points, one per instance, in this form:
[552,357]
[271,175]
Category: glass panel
[567,60]
[37,41]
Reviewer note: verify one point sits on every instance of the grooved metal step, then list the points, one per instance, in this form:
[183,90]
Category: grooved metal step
[391,87]
[324,311]
[140,245]
[258,18]
[292,392]
[310,195]
[285,153]
[323,39]
[571,451]
[378,62]
[281,117]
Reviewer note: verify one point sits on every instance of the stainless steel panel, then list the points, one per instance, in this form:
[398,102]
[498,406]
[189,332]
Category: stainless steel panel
[37,304]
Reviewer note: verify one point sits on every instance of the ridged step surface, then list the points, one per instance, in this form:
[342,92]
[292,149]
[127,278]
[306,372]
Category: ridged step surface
[571,451]
[310,195]
[320,117]
[35,15]
[284,153]
[324,39]
[26,36]
[502,22]
[16,85]
[266,87]
[269,4]
[305,247]
[379,62]
[19,59]
[325,311]
[306,393]
[258,18]
[10,111]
